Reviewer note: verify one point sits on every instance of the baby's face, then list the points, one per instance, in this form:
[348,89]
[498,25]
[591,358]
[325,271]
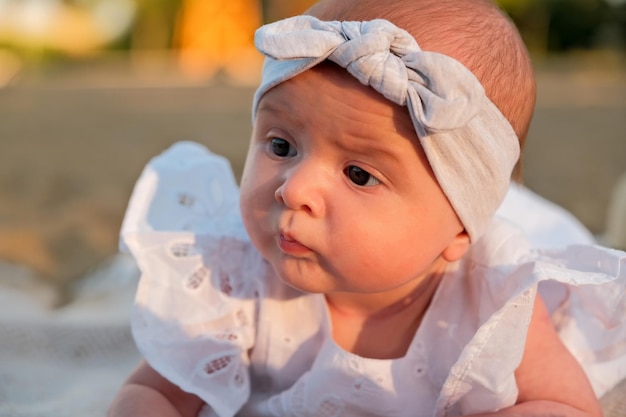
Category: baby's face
[337,194]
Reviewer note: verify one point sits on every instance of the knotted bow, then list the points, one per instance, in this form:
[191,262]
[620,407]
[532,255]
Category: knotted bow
[442,93]
[470,145]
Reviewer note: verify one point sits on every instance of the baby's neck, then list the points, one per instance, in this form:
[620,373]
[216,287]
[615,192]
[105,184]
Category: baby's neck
[377,326]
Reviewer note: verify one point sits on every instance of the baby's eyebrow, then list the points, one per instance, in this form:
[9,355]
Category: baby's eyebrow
[267,105]
[278,109]
[372,147]
[273,106]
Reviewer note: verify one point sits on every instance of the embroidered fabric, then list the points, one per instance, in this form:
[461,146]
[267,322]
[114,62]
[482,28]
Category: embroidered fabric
[211,316]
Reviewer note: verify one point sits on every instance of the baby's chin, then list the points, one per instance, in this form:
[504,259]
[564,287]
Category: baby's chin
[303,275]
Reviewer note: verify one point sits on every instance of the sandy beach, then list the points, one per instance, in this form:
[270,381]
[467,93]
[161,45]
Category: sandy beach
[73,139]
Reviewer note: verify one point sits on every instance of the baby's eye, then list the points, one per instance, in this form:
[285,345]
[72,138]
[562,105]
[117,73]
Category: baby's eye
[361,177]
[282,148]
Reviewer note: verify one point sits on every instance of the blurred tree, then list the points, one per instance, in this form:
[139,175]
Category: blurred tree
[218,35]
[620,18]
[154,24]
[279,9]
[575,23]
[532,19]
[559,25]
[68,27]
[615,32]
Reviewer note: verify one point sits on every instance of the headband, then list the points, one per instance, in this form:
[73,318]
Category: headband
[470,145]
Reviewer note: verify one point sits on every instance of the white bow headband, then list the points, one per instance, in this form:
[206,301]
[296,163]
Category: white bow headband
[470,145]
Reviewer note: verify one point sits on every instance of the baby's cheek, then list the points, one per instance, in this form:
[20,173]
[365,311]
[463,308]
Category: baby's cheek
[249,212]
[255,206]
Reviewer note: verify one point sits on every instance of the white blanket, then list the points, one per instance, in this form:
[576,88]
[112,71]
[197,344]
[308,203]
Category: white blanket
[65,361]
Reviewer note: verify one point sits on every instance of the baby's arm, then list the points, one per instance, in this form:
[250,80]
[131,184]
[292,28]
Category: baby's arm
[146,393]
[550,381]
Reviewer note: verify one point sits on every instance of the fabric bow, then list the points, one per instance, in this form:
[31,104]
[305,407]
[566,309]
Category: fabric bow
[441,92]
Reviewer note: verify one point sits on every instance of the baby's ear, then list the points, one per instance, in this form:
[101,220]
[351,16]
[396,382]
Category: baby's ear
[457,248]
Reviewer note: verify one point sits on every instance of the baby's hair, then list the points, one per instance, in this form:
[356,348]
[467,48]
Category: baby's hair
[475,32]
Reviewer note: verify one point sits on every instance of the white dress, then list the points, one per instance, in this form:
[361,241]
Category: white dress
[211,316]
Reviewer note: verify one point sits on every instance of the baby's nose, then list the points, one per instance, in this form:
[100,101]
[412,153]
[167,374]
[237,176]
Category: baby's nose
[303,189]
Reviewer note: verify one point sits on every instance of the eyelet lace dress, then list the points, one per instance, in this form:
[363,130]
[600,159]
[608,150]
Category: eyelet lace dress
[211,316]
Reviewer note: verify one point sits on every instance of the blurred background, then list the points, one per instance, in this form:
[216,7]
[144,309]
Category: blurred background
[91,89]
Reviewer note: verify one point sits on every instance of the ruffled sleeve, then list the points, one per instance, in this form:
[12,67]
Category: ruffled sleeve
[584,287]
[195,306]
[590,313]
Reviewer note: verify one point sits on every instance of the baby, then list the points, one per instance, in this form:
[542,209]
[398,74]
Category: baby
[360,270]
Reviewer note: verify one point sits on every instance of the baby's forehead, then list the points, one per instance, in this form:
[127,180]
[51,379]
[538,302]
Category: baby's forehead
[327,80]
[327,101]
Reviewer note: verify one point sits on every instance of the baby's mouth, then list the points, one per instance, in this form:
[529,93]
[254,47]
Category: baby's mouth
[291,246]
